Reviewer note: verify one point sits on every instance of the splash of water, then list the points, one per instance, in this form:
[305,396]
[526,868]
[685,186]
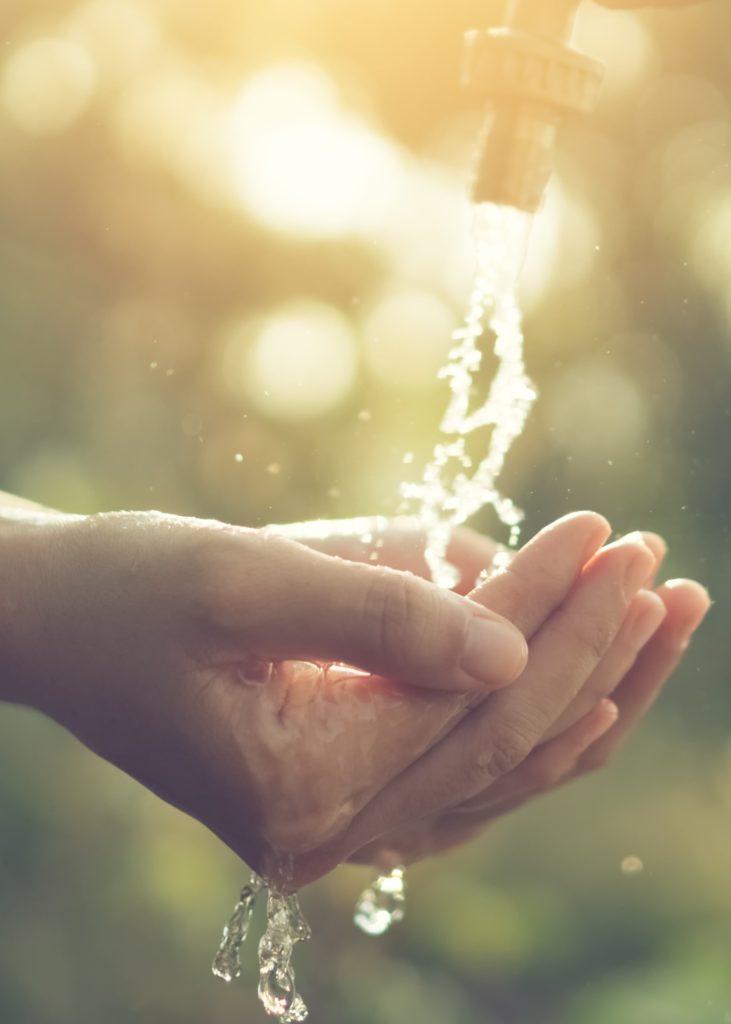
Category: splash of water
[450,492]
[227,964]
[286,926]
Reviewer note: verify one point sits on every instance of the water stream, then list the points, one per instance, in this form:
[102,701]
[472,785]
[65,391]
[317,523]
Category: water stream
[452,489]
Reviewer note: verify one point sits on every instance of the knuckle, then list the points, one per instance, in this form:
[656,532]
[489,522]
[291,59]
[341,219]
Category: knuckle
[593,762]
[554,770]
[596,637]
[515,583]
[545,771]
[386,610]
[509,748]
[399,614]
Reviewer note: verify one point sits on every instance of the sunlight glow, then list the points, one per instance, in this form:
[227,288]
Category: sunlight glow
[297,364]
[407,337]
[302,164]
[47,85]
[710,250]
[119,34]
[607,33]
[562,246]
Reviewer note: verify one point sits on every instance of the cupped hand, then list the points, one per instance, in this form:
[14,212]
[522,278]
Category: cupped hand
[651,642]
[167,646]
[572,600]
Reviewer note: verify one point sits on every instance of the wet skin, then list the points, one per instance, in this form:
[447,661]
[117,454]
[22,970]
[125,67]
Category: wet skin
[199,659]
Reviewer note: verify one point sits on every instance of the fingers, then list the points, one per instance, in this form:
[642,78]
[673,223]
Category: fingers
[398,543]
[659,548]
[299,603]
[687,604]
[646,613]
[575,639]
[545,768]
[540,576]
[589,742]
[471,553]
[496,737]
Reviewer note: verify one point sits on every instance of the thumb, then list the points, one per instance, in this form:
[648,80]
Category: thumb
[311,605]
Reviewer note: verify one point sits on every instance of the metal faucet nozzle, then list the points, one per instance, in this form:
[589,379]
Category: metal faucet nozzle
[531,79]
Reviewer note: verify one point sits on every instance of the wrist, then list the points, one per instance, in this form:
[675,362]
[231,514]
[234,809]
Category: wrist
[29,536]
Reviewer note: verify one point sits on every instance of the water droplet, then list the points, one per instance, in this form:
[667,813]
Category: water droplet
[365,415]
[274,469]
[381,905]
[286,926]
[238,457]
[227,964]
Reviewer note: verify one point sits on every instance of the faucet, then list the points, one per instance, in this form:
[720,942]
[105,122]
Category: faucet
[531,79]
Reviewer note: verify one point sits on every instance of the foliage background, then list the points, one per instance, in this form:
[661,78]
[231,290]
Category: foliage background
[234,242]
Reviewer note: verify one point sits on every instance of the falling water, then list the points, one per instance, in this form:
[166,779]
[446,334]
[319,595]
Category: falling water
[451,490]
[286,926]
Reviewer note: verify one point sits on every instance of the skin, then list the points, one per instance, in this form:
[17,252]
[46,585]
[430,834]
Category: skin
[198,658]
[649,646]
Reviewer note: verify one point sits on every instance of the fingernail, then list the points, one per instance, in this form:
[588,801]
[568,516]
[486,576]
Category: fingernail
[648,620]
[609,708]
[639,566]
[685,634]
[698,587]
[601,530]
[494,651]
[657,544]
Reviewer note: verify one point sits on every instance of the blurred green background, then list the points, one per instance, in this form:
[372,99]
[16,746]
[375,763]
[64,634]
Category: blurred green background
[234,242]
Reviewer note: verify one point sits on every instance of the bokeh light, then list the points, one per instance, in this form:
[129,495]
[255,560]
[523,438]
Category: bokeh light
[299,362]
[120,35]
[407,336]
[236,241]
[604,34]
[47,85]
[597,412]
[301,162]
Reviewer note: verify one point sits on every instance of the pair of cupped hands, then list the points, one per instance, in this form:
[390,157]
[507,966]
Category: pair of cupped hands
[310,706]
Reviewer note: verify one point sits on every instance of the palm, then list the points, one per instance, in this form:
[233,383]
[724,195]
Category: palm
[325,739]
[573,746]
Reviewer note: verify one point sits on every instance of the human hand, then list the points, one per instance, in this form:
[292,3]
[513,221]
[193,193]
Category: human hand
[164,644]
[584,746]
[573,612]
[284,766]
[650,644]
